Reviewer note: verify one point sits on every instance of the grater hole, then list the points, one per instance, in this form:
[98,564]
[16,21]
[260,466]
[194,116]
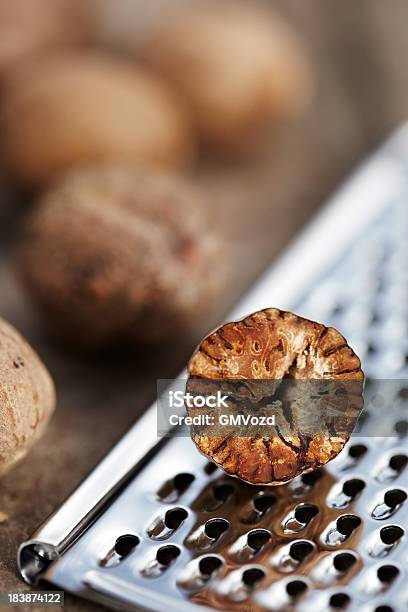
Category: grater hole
[222,492]
[214,528]
[369,383]
[183,481]
[209,565]
[357,451]
[167,554]
[125,544]
[394,498]
[387,573]
[174,518]
[391,534]
[347,524]
[210,468]
[353,487]
[384,609]
[295,588]
[253,575]
[258,538]
[401,428]
[311,478]
[375,317]
[362,420]
[339,600]
[403,393]
[398,463]
[338,310]
[305,512]
[264,501]
[343,562]
[300,550]
[371,349]
[173,488]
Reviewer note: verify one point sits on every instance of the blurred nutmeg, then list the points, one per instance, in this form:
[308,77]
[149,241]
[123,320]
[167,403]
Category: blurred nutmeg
[27,397]
[30,28]
[238,67]
[63,111]
[115,256]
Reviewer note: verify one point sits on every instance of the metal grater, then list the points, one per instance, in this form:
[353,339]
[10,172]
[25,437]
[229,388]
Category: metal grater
[156,527]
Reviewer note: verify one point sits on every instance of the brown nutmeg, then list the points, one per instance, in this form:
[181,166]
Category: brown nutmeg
[27,397]
[117,255]
[239,68]
[314,391]
[65,111]
[30,28]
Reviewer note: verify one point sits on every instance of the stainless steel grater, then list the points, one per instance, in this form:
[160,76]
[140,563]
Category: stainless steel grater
[156,527]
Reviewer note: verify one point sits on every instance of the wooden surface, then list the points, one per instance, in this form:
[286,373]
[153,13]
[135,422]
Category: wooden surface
[361,49]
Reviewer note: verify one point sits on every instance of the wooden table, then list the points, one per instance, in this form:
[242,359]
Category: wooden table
[361,50]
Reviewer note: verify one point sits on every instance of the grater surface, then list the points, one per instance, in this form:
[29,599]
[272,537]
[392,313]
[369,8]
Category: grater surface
[180,534]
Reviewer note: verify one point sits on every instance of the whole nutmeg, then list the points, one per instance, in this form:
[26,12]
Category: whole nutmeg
[30,28]
[238,67]
[297,383]
[117,255]
[27,397]
[66,111]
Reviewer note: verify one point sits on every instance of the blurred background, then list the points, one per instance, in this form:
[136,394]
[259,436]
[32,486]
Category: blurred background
[261,110]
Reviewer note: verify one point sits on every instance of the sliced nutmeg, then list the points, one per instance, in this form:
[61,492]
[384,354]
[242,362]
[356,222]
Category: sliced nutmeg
[297,380]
